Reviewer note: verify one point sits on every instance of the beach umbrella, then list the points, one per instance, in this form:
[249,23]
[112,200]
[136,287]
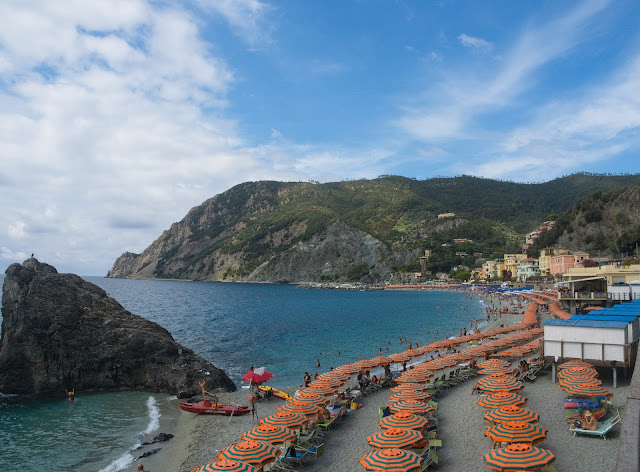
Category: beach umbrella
[398,358]
[413,353]
[408,395]
[589,389]
[319,390]
[578,379]
[493,363]
[578,370]
[412,406]
[499,384]
[286,419]
[256,453]
[414,376]
[349,369]
[301,408]
[257,376]
[311,398]
[495,370]
[332,383]
[367,364]
[226,465]
[516,432]
[409,386]
[269,433]
[394,438]
[446,362]
[396,460]
[335,375]
[498,399]
[516,457]
[575,363]
[404,420]
[511,413]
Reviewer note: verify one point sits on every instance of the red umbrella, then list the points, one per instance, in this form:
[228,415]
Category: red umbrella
[257,376]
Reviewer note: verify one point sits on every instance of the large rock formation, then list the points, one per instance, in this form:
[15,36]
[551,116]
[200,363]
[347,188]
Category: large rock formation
[61,332]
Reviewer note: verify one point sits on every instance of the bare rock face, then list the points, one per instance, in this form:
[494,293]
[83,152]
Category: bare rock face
[61,332]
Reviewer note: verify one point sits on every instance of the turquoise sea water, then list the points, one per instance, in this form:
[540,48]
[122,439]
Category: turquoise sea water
[236,326]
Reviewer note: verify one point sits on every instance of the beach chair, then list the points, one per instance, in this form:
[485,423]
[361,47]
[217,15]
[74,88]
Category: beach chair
[302,452]
[433,404]
[281,464]
[603,427]
[430,459]
[384,411]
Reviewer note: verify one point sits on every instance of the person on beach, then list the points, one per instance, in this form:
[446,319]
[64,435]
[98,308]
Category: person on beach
[253,399]
[306,380]
[590,421]
[141,468]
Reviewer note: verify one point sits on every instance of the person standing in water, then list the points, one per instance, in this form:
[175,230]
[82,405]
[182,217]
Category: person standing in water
[71,394]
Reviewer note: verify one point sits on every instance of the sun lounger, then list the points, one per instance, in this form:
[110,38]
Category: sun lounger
[302,452]
[603,427]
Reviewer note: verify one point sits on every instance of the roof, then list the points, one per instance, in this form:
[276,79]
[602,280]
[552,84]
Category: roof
[625,318]
[581,280]
[586,323]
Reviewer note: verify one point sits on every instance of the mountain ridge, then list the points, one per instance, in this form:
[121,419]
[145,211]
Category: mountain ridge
[341,230]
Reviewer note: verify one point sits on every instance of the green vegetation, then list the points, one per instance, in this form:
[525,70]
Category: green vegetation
[259,220]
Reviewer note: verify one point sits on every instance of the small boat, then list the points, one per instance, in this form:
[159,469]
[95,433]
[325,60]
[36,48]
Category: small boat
[208,408]
[205,407]
[275,392]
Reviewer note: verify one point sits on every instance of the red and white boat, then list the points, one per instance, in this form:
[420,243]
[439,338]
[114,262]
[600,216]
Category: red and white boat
[208,408]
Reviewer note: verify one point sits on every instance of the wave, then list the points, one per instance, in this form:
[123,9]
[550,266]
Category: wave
[154,416]
[126,459]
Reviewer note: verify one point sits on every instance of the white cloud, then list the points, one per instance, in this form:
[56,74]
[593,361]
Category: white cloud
[474,43]
[452,111]
[247,17]
[16,230]
[12,256]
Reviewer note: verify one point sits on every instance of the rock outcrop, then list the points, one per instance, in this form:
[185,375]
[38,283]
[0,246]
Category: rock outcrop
[61,332]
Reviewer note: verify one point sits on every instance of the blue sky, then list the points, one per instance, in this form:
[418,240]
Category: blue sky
[117,117]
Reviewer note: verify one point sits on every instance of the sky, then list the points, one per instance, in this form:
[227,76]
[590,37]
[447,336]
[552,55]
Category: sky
[117,117]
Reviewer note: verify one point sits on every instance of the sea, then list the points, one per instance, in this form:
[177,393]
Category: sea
[236,326]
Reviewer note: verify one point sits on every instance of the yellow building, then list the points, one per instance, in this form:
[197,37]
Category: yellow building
[511,262]
[612,273]
[544,261]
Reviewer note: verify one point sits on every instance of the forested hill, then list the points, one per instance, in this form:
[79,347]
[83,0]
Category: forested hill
[353,230]
[605,224]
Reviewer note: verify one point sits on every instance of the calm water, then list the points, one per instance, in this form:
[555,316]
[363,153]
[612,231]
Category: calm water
[235,326]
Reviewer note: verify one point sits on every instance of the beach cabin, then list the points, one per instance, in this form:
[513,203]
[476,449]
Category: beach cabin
[607,337]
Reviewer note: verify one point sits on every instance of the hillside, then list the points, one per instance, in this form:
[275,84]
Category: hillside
[353,230]
[604,224]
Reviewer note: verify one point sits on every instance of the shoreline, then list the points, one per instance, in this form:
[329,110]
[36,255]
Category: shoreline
[199,438]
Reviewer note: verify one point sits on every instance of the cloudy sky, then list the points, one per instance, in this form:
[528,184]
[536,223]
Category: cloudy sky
[118,116]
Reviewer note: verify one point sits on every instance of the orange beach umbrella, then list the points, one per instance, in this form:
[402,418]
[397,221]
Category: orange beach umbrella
[226,465]
[511,413]
[394,438]
[409,386]
[408,395]
[301,408]
[404,420]
[516,432]
[516,457]
[269,433]
[286,419]
[412,406]
[396,460]
[256,453]
[498,399]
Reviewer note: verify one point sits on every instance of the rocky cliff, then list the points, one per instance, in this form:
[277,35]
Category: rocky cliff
[61,332]
[353,230]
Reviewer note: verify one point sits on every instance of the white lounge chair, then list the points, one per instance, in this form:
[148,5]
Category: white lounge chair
[603,427]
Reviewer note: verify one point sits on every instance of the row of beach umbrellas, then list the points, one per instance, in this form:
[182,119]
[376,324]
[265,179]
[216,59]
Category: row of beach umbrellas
[580,378]
[510,422]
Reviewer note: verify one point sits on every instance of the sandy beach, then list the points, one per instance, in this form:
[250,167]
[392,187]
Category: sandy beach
[198,439]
